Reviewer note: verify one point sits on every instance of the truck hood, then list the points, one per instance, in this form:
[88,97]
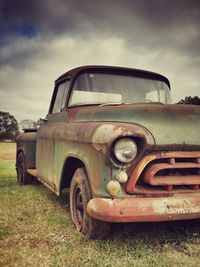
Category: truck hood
[169,124]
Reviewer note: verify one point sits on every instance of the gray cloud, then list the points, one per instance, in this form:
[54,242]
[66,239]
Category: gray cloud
[41,39]
[126,18]
[153,23]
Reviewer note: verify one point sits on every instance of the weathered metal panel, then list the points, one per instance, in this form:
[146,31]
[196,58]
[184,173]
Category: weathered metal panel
[44,152]
[89,142]
[26,142]
[184,207]
[151,178]
[135,174]
[170,125]
[113,69]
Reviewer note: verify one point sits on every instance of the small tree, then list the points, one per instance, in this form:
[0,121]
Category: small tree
[190,100]
[27,124]
[39,122]
[8,126]
[24,124]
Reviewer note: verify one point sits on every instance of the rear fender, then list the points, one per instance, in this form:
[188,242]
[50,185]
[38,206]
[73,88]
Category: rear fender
[26,142]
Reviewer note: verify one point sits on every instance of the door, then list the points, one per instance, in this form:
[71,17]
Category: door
[45,137]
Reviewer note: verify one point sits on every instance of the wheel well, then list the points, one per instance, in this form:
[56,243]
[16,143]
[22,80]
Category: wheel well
[69,168]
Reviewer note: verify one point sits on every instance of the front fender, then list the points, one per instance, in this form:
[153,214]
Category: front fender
[90,142]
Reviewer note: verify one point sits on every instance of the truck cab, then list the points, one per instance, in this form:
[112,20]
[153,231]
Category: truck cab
[113,137]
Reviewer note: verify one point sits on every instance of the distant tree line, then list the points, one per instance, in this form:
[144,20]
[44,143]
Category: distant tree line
[10,128]
[190,100]
[27,124]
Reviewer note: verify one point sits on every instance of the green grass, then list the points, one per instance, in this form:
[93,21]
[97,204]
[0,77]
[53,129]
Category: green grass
[36,230]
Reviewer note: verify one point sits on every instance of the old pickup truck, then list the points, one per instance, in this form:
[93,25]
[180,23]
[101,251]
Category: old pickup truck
[115,140]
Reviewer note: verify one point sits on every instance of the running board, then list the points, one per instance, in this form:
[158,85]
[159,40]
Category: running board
[33,172]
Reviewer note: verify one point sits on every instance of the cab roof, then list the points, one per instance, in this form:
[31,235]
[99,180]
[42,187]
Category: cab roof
[114,69]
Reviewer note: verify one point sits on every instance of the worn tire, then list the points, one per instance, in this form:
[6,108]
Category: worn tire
[23,178]
[80,194]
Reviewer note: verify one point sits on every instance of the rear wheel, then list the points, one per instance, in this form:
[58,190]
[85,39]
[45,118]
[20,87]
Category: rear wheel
[23,177]
[80,194]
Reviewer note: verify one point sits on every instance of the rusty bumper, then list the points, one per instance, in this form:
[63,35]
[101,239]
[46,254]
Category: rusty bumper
[145,209]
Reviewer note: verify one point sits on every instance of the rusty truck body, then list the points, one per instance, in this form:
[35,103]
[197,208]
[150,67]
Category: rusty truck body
[113,137]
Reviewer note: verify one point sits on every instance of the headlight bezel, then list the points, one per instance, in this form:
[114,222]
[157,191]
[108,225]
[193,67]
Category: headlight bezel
[116,158]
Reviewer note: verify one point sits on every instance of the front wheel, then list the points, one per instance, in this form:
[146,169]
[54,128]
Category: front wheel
[23,177]
[80,194]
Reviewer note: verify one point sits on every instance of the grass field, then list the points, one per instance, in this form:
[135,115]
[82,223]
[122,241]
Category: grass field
[36,230]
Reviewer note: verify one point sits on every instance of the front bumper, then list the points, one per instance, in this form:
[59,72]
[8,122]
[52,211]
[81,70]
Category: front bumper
[137,209]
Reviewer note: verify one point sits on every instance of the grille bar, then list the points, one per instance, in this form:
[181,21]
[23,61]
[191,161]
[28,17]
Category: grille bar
[175,180]
[162,173]
[150,177]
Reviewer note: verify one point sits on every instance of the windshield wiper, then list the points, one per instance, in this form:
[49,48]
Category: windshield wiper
[153,102]
[86,104]
[113,104]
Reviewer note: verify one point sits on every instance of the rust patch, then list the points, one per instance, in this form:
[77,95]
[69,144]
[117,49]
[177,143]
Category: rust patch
[160,180]
[143,179]
[145,209]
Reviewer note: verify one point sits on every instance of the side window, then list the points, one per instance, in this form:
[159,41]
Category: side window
[61,95]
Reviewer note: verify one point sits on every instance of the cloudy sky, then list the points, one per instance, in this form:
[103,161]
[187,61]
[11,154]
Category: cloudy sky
[39,40]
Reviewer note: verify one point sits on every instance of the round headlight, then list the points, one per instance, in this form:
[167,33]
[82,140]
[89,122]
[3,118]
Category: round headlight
[125,150]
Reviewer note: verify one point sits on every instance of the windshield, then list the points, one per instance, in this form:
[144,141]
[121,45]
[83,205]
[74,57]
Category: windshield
[102,88]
